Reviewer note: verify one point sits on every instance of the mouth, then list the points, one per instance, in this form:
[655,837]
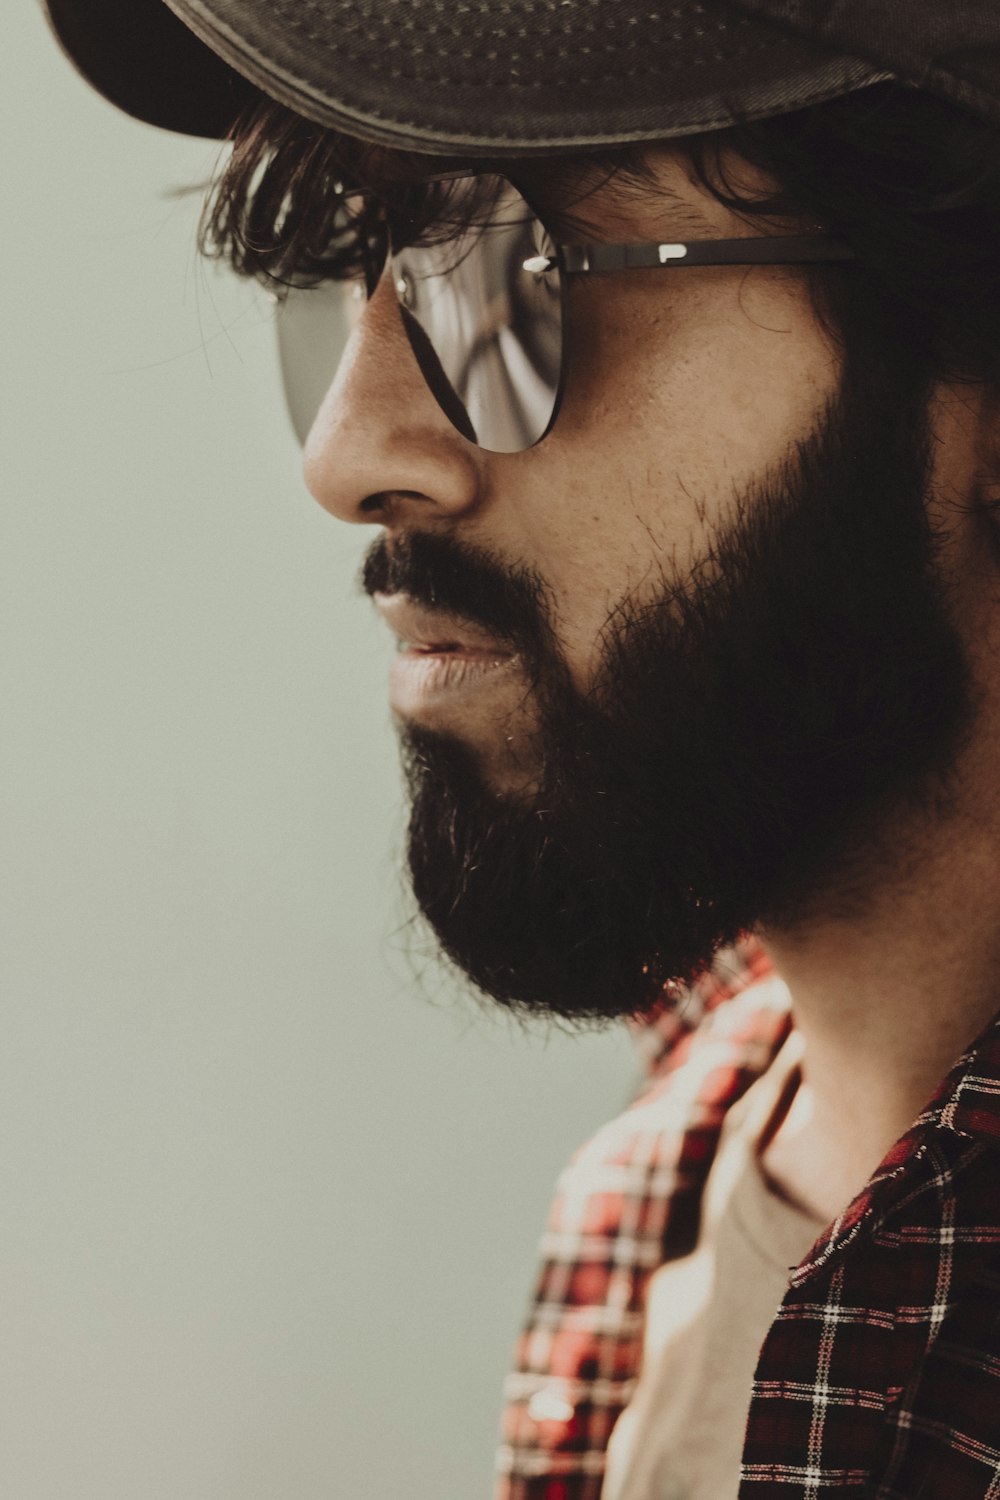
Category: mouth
[441,658]
[425,630]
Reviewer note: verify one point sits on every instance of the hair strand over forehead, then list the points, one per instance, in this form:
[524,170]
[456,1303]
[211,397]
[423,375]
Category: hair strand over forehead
[298,201]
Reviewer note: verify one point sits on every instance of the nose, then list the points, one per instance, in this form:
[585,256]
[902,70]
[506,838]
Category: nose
[381,449]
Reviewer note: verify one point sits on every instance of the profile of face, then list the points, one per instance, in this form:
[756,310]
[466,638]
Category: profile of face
[674,672]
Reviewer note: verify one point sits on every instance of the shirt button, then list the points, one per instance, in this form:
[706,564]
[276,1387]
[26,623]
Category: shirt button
[549,1406]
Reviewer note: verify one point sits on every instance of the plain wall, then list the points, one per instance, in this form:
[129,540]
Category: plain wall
[270,1187]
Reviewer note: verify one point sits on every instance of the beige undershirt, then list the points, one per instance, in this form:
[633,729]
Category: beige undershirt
[707,1314]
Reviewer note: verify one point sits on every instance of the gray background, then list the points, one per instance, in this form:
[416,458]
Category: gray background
[269,1188]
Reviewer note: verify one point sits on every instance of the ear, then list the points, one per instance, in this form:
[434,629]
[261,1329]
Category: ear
[983,406]
[965,454]
[963,496]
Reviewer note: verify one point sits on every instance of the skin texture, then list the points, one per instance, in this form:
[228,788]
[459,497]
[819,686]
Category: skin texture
[679,400]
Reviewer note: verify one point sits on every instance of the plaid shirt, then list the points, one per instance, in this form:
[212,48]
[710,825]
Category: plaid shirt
[880,1376]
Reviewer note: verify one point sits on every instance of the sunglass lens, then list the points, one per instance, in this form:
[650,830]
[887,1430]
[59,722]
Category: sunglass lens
[483,312]
[314,324]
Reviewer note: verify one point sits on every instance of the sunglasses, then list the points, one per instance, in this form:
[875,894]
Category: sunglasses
[485,311]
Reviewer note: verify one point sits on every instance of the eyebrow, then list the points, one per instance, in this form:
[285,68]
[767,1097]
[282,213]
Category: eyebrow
[567,217]
[682,213]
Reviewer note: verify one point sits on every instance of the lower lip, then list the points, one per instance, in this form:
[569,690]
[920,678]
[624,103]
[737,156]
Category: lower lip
[421,680]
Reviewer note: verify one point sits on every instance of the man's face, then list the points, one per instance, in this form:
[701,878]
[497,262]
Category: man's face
[683,386]
[671,672]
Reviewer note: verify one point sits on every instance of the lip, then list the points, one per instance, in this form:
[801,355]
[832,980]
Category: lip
[442,658]
[423,629]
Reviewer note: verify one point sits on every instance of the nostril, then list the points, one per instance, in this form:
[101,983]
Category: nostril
[383,501]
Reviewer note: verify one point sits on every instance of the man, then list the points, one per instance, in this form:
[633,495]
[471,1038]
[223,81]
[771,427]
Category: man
[670,376]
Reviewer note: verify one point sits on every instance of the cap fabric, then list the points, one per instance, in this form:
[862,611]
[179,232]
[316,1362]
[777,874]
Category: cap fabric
[516,77]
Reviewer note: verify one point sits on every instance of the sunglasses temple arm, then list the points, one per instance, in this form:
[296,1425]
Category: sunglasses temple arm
[770,251]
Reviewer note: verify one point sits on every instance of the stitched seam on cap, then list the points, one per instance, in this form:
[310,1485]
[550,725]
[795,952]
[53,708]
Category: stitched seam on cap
[298,23]
[441,137]
[808,94]
[512,81]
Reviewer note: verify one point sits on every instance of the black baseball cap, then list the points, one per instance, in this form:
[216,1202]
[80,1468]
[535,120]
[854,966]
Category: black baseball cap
[517,77]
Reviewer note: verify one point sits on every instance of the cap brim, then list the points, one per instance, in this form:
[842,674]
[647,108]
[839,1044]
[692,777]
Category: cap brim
[451,85]
[147,62]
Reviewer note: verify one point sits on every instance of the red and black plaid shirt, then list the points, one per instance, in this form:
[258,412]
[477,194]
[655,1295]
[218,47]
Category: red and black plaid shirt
[880,1376]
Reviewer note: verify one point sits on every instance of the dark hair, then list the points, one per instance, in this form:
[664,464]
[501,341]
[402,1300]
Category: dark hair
[297,202]
[911,182]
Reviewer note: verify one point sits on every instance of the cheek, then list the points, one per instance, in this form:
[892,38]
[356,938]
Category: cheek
[671,411]
[714,383]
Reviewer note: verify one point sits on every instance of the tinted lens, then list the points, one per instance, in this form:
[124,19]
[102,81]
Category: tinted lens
[314,324]
[482,314]
[486,330]
[484,317]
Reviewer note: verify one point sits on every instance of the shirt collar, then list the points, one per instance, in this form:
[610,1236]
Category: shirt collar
[967,1103]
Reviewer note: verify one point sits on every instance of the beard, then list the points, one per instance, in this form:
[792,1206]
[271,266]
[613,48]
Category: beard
[754,740]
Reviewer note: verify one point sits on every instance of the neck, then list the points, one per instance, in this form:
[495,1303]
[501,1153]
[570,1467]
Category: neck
[885,1007]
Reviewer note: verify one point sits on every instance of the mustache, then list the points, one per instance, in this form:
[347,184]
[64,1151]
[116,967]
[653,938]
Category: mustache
[441,573]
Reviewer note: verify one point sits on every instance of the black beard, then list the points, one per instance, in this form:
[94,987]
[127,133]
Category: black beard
[751,737]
